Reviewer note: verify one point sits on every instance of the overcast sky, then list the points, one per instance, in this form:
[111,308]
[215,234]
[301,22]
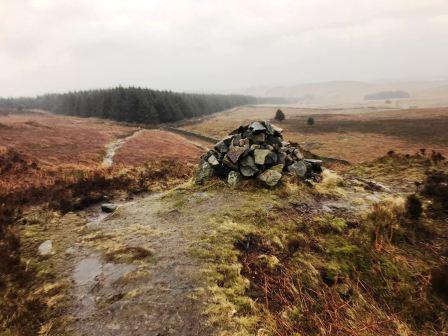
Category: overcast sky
[195,45]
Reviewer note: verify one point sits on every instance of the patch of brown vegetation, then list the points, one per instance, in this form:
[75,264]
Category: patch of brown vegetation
[59,140]
[150,146]
[354,135]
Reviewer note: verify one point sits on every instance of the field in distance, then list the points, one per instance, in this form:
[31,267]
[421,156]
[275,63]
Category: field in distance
[353,134]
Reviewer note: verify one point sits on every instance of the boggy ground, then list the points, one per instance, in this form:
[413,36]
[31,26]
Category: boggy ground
[336,258]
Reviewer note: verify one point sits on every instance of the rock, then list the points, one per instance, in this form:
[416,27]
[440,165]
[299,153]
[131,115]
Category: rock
[235,152]
[269,129]
[213,160]
[260,155]
[270,177]
[230,164]
[108,207]
[298,154]
[204,172]
[259,137]
[314,162]
[257,126]
[278,167]
[299,168]
[45,248]
[222,147]
[281,158]
[248,167]
[234,178]
[222,171]
[271,158]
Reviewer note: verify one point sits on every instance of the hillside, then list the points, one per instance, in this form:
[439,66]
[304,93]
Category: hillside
[345,92]
[104,231]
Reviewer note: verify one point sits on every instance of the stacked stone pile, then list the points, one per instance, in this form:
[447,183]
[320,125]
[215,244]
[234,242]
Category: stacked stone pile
[257,151]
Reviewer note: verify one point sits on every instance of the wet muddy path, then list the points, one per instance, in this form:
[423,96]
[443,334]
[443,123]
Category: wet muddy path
[114,146]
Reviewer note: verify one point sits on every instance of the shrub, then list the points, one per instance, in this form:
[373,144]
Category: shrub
[279,115]
[310,121]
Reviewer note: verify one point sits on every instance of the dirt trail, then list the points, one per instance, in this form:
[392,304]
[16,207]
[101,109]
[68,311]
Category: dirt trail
[132,272]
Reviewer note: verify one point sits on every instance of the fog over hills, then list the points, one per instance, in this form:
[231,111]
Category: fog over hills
[353,91]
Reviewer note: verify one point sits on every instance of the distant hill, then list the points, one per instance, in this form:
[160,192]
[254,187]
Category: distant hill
[335,92]
[382,95]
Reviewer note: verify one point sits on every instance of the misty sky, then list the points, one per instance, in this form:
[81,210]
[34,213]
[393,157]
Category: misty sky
[195,45]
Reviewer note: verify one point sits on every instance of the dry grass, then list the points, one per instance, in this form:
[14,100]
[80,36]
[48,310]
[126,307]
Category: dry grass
[151,146]
[353,135]
[55,140]
[281,266]
[56,161]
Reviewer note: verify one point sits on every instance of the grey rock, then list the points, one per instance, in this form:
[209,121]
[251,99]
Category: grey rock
[248,167]
[235,152]
[234,178]
[45,248]
[314,162]
[270,177]
[108,207]
[257,127]
[222,147]
[248,171]
[299,168]
[229,163]
[281,158]
[259,137]
[204,172]
[278,168]
[213,160]
[271,158]
[236,139]
[260,155]
[298,154]
[269,129]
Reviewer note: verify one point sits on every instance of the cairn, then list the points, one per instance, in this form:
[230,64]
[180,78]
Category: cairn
[256,151]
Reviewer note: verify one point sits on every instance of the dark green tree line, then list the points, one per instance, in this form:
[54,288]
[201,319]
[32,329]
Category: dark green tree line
[131,104]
